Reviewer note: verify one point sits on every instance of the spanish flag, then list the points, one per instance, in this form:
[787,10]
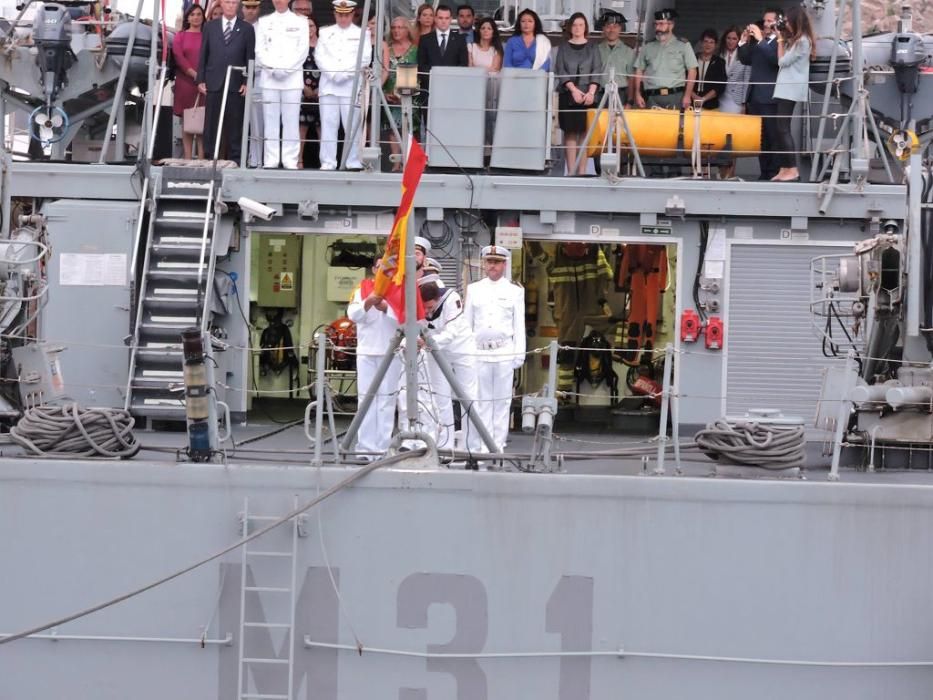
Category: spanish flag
[390,277]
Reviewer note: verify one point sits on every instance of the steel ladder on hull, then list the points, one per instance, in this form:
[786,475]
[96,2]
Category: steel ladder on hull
[250,586]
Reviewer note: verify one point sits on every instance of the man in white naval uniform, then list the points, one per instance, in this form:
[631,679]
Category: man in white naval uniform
[281,50]
[495,311]
[448,328]
[335,55]
[375,325]
[250,10]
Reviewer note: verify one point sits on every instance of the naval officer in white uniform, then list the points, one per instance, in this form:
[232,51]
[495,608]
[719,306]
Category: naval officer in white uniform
[375,325]
[495,311]
[281,50]
[335,55]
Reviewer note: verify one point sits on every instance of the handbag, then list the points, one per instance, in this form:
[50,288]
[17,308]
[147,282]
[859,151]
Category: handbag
[193,119]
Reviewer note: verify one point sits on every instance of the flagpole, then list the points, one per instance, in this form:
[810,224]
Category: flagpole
[412,330]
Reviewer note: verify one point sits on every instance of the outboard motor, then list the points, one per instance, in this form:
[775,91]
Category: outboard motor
[52,36]
[907,53]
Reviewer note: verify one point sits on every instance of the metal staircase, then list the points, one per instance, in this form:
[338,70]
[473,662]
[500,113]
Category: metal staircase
[276,596]
[172,289]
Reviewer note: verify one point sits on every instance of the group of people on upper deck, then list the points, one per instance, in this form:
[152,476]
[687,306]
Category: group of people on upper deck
[303,109]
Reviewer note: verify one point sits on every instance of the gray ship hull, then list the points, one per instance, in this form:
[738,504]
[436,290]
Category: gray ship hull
[466,585]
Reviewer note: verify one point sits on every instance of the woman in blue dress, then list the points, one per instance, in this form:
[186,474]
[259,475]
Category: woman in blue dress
[528,47]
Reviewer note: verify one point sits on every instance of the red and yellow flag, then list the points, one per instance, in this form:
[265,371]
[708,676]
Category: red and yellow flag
[390,276]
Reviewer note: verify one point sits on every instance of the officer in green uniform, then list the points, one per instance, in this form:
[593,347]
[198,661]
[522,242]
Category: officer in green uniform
[667,67]
[615,53]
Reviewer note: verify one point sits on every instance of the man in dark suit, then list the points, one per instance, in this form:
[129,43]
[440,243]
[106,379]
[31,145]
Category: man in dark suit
[758,49]
[226,41]
[442,47]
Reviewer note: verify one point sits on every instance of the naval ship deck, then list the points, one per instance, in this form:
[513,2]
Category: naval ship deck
[274,438]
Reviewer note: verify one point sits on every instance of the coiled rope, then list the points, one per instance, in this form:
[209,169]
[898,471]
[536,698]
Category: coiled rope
[753,444]
[70,431]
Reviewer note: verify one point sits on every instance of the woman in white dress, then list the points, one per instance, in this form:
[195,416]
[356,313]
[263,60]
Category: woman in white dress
[733,98]
[486,51]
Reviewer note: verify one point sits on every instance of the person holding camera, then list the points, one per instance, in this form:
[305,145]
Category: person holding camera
[758,49]
[795,47]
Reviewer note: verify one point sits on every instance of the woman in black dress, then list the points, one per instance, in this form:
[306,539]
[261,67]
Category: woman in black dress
[579,71]
[309,118]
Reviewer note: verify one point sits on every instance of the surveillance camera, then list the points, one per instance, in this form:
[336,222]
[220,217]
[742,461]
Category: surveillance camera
[256,209]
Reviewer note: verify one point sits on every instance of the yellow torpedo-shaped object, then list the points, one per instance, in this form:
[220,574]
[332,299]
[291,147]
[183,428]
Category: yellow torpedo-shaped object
[662,133]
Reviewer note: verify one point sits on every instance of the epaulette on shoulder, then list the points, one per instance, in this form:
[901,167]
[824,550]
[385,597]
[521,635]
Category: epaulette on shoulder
[517,284]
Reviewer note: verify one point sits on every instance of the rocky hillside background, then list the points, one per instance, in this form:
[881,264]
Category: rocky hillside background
[882,15]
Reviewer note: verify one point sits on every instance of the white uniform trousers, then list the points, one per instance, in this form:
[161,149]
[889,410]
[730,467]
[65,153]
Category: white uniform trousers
[281,107]
[494,400]
[335,111]
[464,369]
[256,132]
[375,433]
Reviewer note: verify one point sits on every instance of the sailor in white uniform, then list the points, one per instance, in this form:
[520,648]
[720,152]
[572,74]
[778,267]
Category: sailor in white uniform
[335,55]
[448,328]
[281,50]
[495,311]
[375,325]
[254,160]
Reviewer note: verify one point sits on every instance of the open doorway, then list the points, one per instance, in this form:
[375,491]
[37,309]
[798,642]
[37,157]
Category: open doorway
[612,307]
[301,284]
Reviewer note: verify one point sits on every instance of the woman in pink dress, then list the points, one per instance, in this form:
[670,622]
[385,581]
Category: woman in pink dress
[186,49]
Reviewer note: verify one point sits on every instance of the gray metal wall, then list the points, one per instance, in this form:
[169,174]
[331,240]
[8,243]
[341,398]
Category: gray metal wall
[92,317]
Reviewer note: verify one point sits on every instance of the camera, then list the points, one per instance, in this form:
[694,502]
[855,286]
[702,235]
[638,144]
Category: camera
[256,209]
[780,24]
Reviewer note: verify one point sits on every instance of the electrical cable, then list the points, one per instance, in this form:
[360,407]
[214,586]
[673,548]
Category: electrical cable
[340,485]
[704,238]
[829,347]
[437,242]
[68,431]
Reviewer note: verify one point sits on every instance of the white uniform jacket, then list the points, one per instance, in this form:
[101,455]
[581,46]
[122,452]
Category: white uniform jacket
[335,55]
[281,50]
[374,328]
[496,313]
[449,328]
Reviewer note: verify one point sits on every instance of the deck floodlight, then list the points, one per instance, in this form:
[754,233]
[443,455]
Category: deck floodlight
[406,78]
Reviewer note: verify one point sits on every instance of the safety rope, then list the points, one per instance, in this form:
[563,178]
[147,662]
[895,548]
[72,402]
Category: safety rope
[753,444]
[70,431]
